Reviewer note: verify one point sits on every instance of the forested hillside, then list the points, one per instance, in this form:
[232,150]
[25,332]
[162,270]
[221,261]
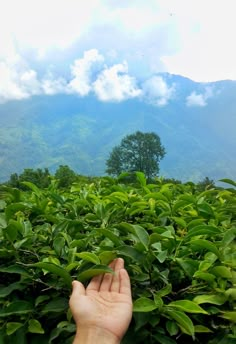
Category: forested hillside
[46,131]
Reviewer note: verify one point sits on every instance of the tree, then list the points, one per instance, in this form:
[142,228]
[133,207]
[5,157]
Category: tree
[39,177]
[205,184]
[137,152]
[65,175]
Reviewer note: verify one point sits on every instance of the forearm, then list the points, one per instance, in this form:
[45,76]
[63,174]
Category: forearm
[95,336]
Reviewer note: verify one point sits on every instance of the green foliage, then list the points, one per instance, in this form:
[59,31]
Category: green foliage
[205,184]
[39,177]
[65,175]
[178,244]
[137,152]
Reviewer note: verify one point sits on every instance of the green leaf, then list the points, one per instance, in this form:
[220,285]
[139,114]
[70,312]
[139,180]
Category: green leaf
[34,326]
[161,256]
[12,230]
[41,299]
[110,235]
[172,327]
[204,244]
[187,306]
[205,276]
[210,298]
[106,257]
[15,269]
[228,181]
[221,271]
[17,307]
[202,230]
[141,178]
[88,256]
[96,270]
[33,187]
[202,329]
[130,252]
[188,265]
[58,305]
[160,338]
[142,234]
[56,270]
[164,291]
[229,315]
[183,320]
[143,304]
[8,290]
[12,327]
[120,195]
[58,245]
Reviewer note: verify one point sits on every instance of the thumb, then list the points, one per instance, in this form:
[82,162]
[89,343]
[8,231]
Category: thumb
[77,288]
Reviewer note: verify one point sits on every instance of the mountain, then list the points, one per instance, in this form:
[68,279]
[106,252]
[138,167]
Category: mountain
[48,131]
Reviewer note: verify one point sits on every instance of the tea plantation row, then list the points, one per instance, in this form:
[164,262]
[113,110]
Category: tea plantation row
[178,244]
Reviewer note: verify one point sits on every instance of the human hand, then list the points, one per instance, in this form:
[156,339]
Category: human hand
[103,310]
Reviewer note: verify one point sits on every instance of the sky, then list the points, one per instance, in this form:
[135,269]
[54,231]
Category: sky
[115,49]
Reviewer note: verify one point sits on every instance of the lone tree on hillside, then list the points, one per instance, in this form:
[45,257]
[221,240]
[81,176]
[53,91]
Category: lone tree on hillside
[137,152]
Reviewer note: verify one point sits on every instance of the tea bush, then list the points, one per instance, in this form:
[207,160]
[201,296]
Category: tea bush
[178,244]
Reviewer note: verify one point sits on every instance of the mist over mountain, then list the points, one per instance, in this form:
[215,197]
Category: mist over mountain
[195,121]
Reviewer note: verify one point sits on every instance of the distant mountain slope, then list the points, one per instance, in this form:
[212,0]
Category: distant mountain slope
[46,131]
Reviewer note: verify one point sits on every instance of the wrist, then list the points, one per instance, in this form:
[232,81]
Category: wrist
[94,335]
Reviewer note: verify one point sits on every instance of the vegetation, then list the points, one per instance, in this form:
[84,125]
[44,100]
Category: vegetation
[178,244]
[64,175]
[137,152]
[39,177]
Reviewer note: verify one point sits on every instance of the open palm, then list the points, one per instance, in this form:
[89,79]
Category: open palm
[106,303]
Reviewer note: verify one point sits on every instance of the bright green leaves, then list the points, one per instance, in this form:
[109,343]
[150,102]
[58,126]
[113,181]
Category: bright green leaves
[35,326]
[144,304]
[178,245]
[187,306]
[89,256]
[142,235]
[96,270]
[216,299]
[183,321]
[13,327]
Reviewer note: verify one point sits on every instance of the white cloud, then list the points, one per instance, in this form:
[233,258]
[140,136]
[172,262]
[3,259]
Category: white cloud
[195,99]
[51,86]
[199,99]
[114,84]
[191,38]
[156,91]
[18,81]
[83,71]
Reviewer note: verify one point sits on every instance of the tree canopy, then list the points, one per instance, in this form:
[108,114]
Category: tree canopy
[137,152]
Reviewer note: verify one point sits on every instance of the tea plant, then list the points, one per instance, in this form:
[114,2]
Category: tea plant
[178,244]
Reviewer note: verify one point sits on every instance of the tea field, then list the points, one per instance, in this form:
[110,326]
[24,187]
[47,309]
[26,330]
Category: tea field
[178,243]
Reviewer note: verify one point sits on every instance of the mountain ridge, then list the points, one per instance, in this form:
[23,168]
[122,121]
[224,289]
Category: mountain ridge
[46,131]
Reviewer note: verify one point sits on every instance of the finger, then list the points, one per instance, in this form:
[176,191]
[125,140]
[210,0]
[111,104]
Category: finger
[77,288]
[125,287]
[108,278]
[115,285]
[95,283]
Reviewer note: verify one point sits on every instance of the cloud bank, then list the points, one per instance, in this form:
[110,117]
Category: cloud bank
[89,74]
[157,92]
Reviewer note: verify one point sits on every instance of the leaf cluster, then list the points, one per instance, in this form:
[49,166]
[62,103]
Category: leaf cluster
[178,245]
